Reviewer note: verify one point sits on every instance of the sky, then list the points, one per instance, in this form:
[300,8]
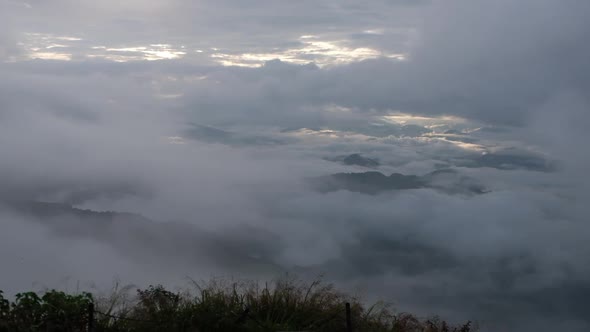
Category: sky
[206,121]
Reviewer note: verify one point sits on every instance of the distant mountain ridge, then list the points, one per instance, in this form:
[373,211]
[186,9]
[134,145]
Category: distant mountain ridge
[356,159]
[210,134]
[142,238]
[373,183]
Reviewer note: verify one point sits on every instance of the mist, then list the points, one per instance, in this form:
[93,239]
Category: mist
[162,143]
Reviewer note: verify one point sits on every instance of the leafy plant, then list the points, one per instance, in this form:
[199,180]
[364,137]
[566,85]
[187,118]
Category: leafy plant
[219,305]
[52,312]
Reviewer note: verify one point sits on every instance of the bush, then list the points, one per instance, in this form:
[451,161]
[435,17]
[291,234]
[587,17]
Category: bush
[284,305]
[53,312]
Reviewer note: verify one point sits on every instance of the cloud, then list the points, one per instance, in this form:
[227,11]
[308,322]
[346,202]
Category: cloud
[98,138]
[220,29]
[502,78]
[500,69]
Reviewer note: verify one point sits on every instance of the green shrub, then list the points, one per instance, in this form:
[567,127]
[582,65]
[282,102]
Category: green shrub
[217,306]
[54,311]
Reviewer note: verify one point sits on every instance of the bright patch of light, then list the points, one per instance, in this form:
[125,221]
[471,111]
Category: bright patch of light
[56,46]
[52,47]
[169,96]
[175,140]
[66,38]
[312,49]
[150,53]
[374,32]
[50,56]
[400,57]
[467,146]
[435,121]
[326,133]
[47,46]
[338,109]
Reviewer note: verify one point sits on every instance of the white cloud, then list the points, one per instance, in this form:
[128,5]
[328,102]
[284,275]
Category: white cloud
[111,131]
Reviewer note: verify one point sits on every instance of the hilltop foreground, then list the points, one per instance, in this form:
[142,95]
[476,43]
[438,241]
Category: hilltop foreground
[284,305]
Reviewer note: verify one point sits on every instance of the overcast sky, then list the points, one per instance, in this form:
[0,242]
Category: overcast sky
[209,118]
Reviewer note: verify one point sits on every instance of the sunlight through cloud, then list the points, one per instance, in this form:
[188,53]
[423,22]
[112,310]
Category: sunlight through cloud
[312,50]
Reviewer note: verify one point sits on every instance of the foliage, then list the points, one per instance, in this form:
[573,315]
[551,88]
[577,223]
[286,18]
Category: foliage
[219,305]
[53,311]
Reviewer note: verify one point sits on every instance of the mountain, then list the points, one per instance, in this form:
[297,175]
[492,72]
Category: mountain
[358,160]
[210,134]
[509,160]
[355,159]
[373,183]
[144,240]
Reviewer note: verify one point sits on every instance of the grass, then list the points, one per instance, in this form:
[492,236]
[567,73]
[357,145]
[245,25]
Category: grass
[218,305]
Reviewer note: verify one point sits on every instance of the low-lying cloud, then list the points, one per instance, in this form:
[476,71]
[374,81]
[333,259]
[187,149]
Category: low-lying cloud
[207,167]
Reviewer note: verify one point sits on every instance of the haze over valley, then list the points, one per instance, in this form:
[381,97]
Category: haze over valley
[432,153]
